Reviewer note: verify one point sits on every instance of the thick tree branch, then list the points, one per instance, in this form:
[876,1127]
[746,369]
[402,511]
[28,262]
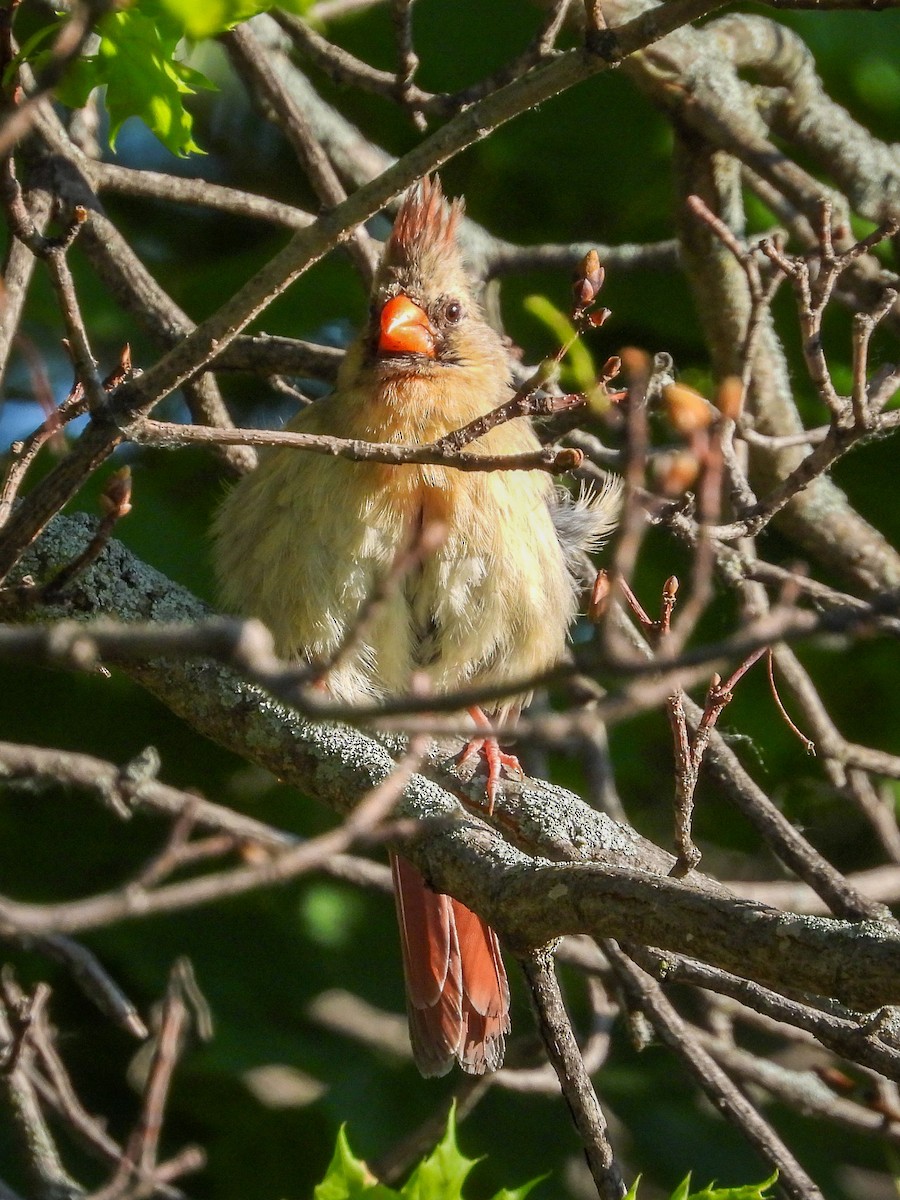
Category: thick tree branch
[530,901]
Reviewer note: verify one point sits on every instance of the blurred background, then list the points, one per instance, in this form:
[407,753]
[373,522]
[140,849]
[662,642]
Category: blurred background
[266,1096]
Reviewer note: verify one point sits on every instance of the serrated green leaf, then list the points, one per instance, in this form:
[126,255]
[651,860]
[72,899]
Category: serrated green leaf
[441,1175]
[78,82]
[143,78]
[136,63]
[519,1193]
[750,1191]
[348,1177]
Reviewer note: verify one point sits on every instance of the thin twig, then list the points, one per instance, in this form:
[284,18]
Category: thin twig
[645,994]
[578,1091]
[42,1159]
[169,435]
[252,61]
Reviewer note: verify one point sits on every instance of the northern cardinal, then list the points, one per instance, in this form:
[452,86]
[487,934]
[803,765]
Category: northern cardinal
[302,541]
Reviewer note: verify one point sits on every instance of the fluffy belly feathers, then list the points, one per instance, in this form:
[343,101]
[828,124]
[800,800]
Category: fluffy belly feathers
[309,537]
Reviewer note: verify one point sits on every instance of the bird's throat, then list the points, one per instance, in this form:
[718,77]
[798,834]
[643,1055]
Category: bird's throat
[412,409]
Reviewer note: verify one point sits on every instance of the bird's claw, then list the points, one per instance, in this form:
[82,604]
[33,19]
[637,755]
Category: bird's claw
[495,759]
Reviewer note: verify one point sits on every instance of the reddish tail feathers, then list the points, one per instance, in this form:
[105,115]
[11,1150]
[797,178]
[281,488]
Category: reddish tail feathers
[456,989]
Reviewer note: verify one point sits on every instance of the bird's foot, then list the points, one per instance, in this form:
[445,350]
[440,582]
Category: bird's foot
[495,758]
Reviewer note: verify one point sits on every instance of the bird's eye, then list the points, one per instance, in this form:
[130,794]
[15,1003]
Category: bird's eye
[453,312]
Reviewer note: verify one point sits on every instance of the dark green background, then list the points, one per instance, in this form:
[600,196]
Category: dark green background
[594,163]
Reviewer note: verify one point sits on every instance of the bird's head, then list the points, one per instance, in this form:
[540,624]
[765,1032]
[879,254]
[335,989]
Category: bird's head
[424,316]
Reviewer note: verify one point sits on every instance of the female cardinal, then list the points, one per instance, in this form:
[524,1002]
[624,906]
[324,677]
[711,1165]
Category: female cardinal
[303,540]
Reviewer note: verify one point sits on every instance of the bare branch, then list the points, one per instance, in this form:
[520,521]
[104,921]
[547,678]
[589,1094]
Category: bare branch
[648,996]
[562,1050]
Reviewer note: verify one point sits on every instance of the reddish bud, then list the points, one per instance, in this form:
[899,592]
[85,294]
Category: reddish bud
[675,473]
[611,368]
[636,363]
[122,371]
[593,269]
[115,499]
[589,279]
[599,597]
[569,459]
[730,397]
[836,1079]
[687,410]
[254,854]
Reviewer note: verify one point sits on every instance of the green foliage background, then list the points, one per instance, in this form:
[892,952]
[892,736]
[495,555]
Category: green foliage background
[594,163]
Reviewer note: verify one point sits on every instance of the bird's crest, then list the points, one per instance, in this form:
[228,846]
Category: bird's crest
[425,223]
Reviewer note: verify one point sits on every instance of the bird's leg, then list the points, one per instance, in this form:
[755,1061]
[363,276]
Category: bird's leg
[494,757]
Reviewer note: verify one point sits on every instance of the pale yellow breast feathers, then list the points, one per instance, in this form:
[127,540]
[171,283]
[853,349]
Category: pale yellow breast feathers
[303,540]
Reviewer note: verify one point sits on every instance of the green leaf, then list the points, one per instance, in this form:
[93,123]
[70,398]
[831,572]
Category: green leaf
[136,63]
[78,82]
[441,1175]
[751,1191]
[143,78]
[206,18]
[519,1193]
[348,1177]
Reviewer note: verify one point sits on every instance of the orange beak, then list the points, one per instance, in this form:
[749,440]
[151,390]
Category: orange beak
[405,329]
